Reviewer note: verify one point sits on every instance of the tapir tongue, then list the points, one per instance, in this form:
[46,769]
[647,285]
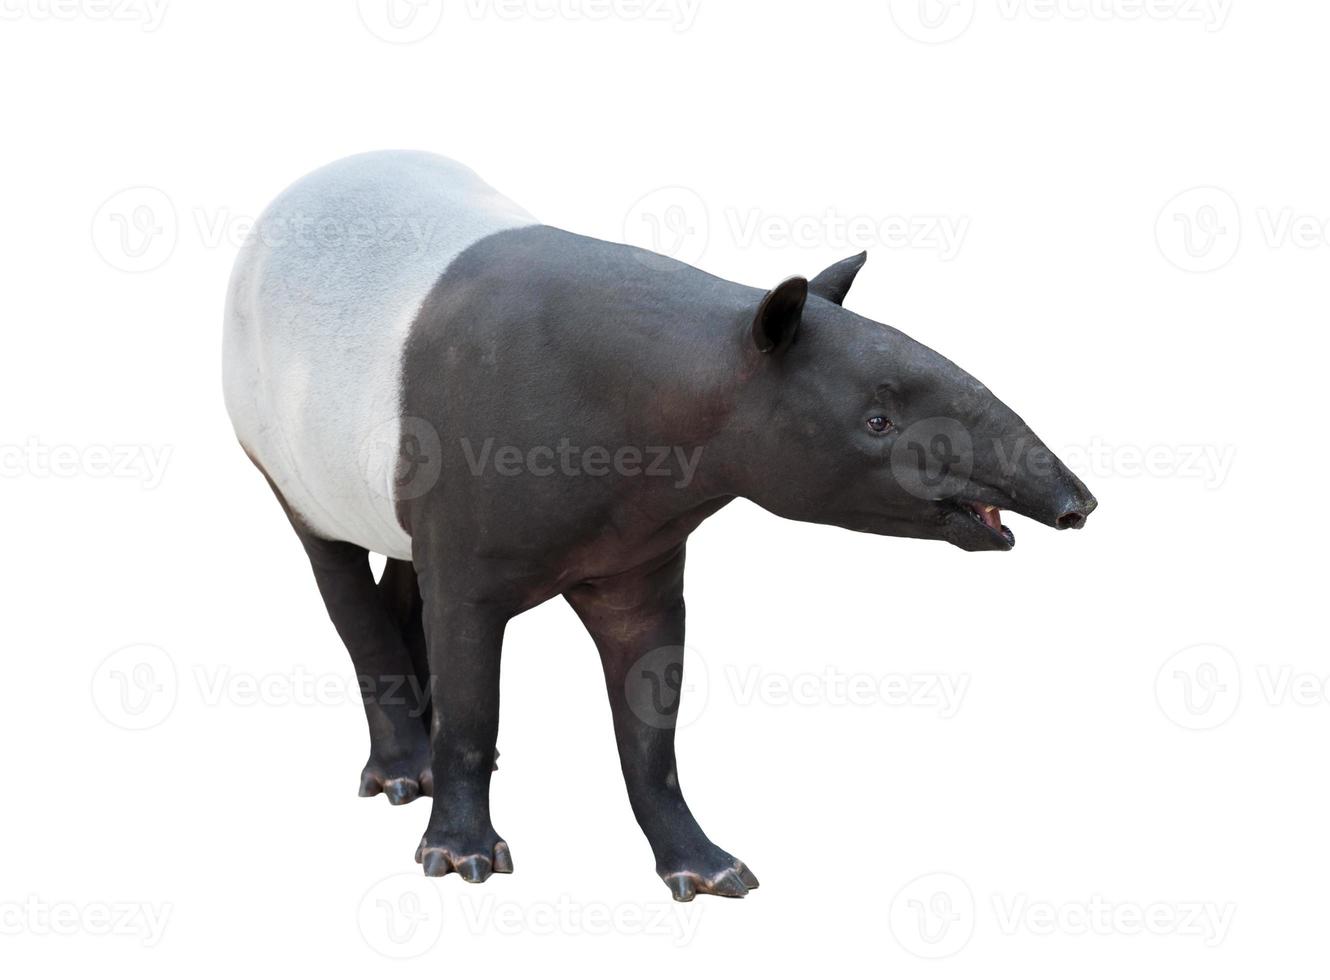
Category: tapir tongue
[990,516]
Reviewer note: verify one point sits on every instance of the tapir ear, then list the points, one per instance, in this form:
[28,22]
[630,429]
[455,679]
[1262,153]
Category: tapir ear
[835,281]
[779,314]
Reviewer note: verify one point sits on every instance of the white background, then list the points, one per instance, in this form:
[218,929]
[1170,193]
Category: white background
[1102,799]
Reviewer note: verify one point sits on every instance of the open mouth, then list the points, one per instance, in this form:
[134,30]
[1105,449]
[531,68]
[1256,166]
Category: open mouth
[990,517]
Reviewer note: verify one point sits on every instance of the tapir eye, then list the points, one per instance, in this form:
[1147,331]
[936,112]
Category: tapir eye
[879,423]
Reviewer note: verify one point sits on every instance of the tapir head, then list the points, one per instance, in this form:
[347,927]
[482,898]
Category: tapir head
[850,422]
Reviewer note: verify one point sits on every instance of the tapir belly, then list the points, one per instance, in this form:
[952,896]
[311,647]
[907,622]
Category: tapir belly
[319,309]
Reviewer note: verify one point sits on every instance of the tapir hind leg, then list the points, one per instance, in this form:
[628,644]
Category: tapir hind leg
[379,624]
[400,592]
[396,701]
[637,621]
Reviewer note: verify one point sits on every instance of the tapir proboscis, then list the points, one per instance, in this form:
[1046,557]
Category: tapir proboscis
[510,412]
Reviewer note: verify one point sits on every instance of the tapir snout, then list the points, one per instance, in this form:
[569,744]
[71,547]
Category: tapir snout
[1076,507]
[1066,503]
[1039,485]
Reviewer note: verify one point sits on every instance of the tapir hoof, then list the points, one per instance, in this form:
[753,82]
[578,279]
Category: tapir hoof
[438,861]
[401,782]
[732,882]
[398,783]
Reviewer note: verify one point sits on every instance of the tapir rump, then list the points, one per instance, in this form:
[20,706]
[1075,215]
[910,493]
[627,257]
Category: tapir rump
[423,370]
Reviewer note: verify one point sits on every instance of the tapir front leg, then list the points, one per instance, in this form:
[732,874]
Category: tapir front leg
[464,641]
[637,621]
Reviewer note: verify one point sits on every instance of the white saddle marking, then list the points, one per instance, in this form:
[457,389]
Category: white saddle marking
[321,301]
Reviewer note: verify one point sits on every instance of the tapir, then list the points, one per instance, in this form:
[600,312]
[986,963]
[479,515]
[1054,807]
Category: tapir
[510,412]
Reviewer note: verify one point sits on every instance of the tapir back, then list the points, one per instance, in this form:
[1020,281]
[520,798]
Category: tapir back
[320,305]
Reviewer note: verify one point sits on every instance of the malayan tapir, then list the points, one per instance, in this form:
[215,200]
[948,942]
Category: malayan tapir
[510,412]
